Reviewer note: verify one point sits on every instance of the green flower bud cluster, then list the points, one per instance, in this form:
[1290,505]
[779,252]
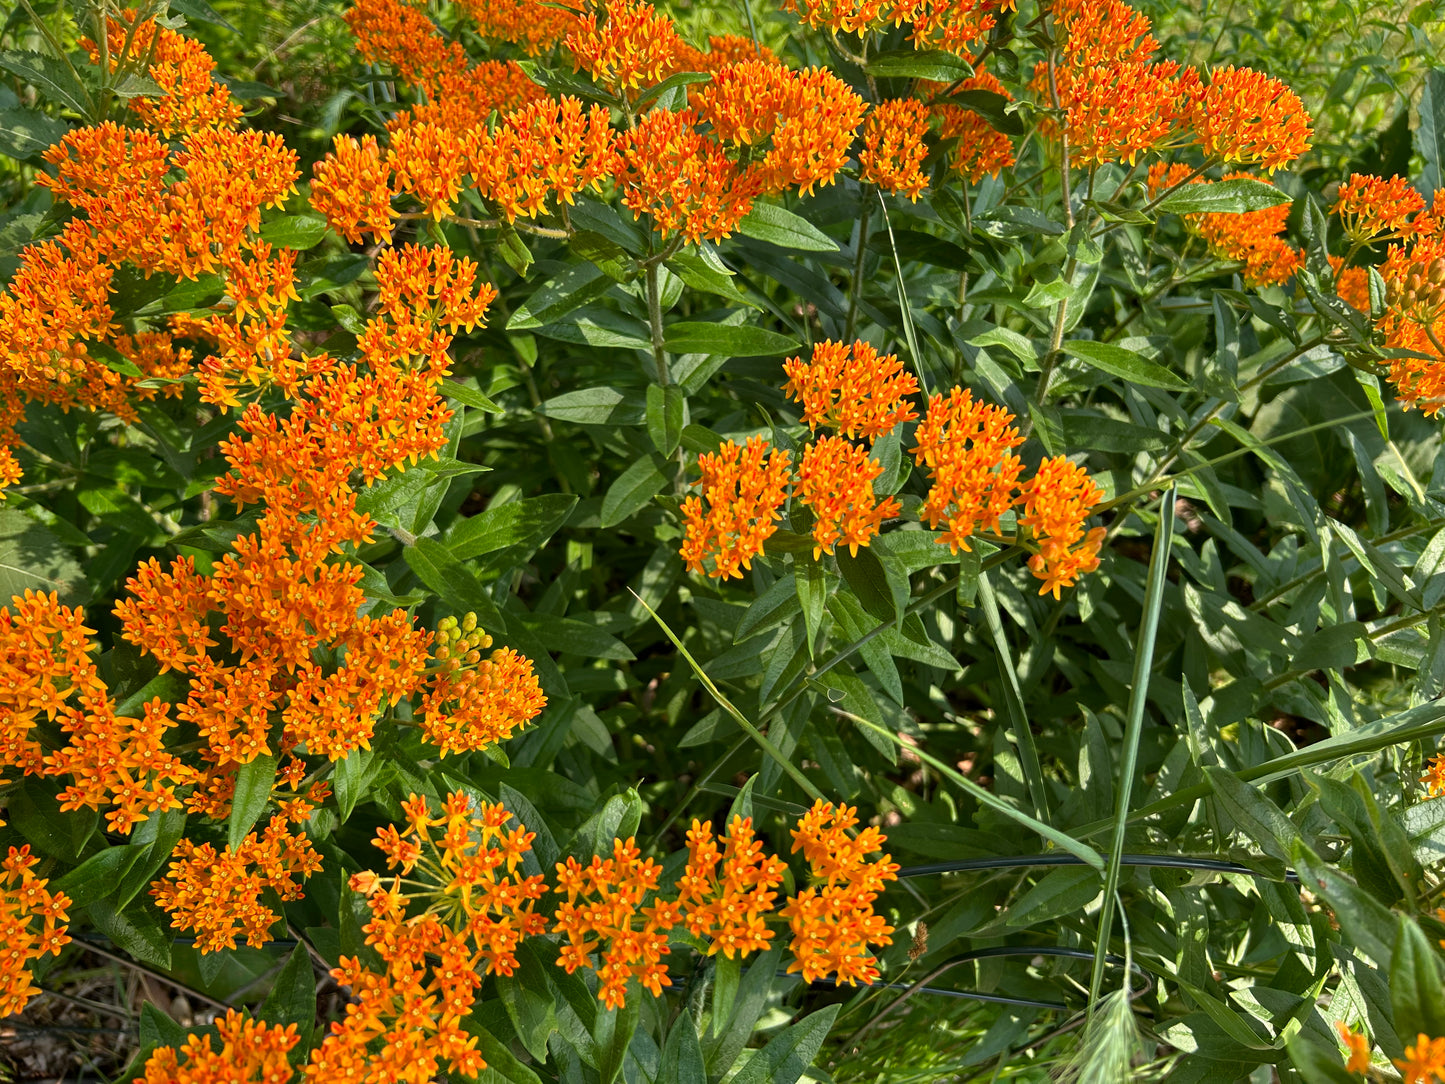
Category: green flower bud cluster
[459,645]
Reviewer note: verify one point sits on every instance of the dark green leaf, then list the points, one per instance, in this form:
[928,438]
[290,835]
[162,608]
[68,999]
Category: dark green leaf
[136,930]
[1430,133]
[771,223]
[1415,982]
[733,342]
[1123,363]
[254,782]
[933,64]
[28,133]
[1224,197]
[295,231]
[455,585]
[633,490]
[1252,814]
[292,999]
[790,1052]
[526,523]
[598,406]
[572,288]
[53,78]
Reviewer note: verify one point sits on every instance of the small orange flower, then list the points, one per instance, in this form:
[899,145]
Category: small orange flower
[24,899]
[851,389]
[219,894]
[744,488]
[833,921]
[1352,284]
[604,900]
[1434,777]
[967,448]
[251,1052]
[729,909]
[669,170]
[1357,1046]
[1424,1062]
[728,49]
[1249,118]
[1372,205]
[835,483]
[1056,502]
[894,150]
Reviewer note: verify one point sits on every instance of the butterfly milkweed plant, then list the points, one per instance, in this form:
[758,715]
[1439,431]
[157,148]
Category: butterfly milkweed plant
[586,541]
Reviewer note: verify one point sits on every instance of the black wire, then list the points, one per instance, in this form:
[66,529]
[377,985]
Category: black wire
[1001,999]
[1020,861]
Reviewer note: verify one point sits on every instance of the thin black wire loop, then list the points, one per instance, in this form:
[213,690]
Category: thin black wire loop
[1003,999]
[1020,861]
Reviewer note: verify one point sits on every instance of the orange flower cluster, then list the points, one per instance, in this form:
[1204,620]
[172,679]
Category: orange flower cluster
[351,186]
[894,150]
[956,25]
[218,894]
[808,118]
[190,98]
[404,1023]
[1352,284]
[1056,502]
[188,210]
[470,870]
[967,449]
[682,178]
[24,899]
[44,662]
[979,148]
[1413,323]
[536,27]
[633,46]
[1118,102]
[1252,238]
[1369,206]
[1424,1061]
[604,900]
[729,909]
[853,16]
[474,702]
[251,1052]
[851,389]
[835,483]
[743,489]
[545,149]
[1249,118]
[833,921]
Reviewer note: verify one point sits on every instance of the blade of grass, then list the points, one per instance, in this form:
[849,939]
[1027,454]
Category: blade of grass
[759,738]
[908,331]
[1138,696]
[1066,842]
[1014,700]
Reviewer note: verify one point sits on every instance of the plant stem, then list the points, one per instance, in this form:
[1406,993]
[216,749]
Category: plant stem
[654,320]
[857,291]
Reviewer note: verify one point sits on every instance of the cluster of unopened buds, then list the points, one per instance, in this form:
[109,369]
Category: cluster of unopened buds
[457,644]
[1420,293]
